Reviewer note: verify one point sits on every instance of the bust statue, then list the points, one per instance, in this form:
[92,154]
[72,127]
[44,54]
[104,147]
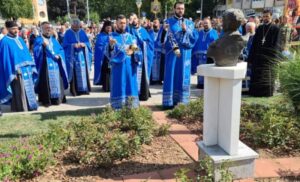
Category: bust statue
[226,50]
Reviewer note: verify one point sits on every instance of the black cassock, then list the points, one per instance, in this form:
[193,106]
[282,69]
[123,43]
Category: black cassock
[105,75]
[262,60]
[43,87]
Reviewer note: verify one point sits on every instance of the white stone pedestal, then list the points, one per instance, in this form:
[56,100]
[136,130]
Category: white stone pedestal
[221,128]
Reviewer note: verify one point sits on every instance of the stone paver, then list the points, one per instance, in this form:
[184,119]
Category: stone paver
[245,180]
[266,168]
[149,177]
[169,174]
[111,180]
[289,165]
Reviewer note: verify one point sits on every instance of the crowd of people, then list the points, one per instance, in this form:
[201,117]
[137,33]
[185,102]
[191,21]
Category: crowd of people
[128,55]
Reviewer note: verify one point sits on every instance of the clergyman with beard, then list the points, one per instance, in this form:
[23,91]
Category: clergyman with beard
[124,59]
[158,65]
[18,71]
[181,38]
[50,62]
[146,44]
[262,58]
[206,36]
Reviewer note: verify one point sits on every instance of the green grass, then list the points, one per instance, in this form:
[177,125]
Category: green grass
[264,100]
[278,101]
[22,125]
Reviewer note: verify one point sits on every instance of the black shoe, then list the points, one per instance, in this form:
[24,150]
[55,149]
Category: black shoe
[168,108]
[200,86]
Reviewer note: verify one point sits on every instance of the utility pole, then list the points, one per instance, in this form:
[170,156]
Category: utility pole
[201,4]
[68,9]
[166,11]
[88,12]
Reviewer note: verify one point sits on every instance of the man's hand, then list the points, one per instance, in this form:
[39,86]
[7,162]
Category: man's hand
[57,57]
[77,45]
[183,26]
[45,44]
[112,42]
[166,27]
[82,44]
[129,51]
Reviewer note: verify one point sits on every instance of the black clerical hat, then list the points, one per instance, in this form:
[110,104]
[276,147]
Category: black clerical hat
[11,23]
[107,23]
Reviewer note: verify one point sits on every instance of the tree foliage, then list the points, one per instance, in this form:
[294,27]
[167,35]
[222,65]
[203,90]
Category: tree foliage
[111,8]
[16,9]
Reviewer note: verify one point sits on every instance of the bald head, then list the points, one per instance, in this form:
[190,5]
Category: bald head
[250,27]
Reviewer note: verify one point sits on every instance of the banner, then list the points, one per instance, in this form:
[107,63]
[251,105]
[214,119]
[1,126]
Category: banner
[155,7]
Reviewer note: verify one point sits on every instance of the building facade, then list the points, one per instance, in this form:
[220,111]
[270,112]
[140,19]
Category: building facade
[40,12]
[250,6]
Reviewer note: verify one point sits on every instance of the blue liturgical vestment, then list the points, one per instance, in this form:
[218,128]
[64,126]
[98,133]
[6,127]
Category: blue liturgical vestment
[176,88]
[124,87]
[146,44]
[56,67]
[78,60]
[158,50]
[15,59]
[100,54]
[199,52]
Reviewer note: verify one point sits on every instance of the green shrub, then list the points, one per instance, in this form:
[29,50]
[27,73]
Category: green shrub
[55,139]
[205,172]
[21,159]
[111,136]
[162,130]
[273,131]
[191,111]
[181,175]
[98,140]
[289,77]
[265,122]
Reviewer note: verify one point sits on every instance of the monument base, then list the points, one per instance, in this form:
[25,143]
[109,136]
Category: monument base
[241,165]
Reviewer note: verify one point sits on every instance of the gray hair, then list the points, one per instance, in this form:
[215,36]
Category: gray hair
[24,30]
[76,22]
[250,24]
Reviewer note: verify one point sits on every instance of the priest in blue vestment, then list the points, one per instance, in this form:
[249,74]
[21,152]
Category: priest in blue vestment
[146,44]
[49,57]
[124,58]
[102,68]
[18,72]
[206,36]
[157,71]
[78,54]
[181,38]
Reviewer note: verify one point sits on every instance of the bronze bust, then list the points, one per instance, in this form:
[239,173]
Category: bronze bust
[226,50]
